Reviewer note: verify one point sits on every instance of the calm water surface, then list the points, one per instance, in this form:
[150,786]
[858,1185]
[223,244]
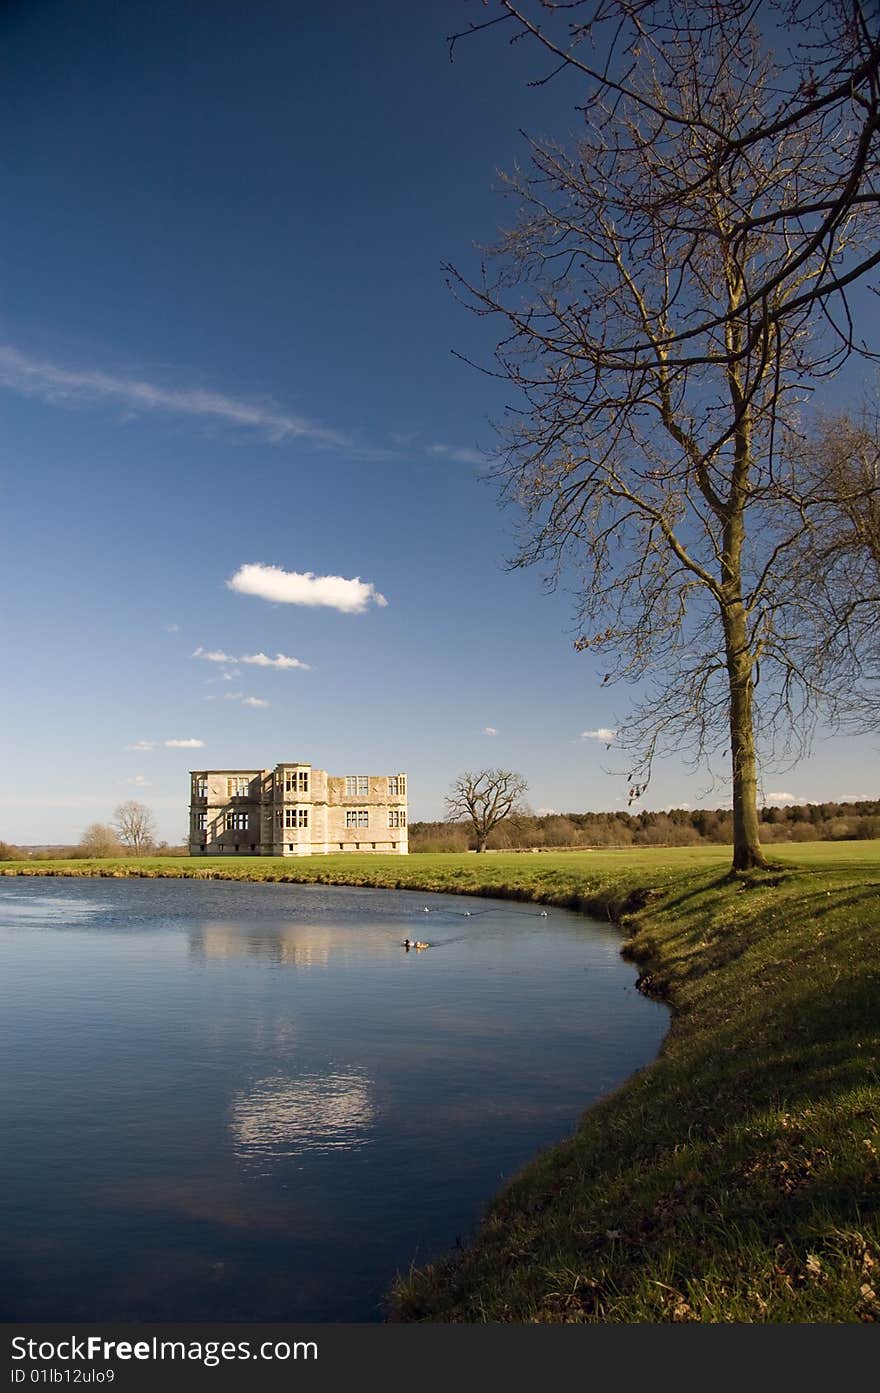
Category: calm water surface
[247,1102]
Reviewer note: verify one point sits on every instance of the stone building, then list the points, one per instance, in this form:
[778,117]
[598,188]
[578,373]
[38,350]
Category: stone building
[295,810]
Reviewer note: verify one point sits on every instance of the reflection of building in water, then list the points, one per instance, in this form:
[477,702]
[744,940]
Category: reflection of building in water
[279,945]
[295,810]
[283,1116]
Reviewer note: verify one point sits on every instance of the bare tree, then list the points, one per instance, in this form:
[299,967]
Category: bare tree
[834,577]
[100,840]
[485,799]
[136,827]
[672,289]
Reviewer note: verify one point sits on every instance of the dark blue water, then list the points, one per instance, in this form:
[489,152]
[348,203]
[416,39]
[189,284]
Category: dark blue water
[248,1102]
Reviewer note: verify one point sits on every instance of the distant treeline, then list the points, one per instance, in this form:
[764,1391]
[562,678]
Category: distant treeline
[809,822]
[10,852]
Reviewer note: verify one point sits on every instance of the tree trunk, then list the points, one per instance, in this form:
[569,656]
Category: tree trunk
[747,851]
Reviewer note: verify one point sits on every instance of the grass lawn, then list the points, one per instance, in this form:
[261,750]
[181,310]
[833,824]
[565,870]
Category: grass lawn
[735,1179]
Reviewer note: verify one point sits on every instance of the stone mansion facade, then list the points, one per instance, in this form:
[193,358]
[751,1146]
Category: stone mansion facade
[295,810]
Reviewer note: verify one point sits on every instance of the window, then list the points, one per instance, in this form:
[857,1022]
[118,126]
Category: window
[357,817]
[396,785]
[396,817]
[238,787]
[236,822]
[200,786]
[296,817]
[357,785]
[302,781]
[201,822]
[279,818]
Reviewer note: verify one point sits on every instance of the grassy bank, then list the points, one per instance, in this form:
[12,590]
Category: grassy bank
[737,1178]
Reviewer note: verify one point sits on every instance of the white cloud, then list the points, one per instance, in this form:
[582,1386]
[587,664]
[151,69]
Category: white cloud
[459,453]
[184,744]
[782,798]
[59,386]
[231,675]
[141,745]
[603,733]
[139,781]
[280,661]
[305,588]
[245,700]
[216,655]
[172,628]
[545,812]
[489,730]
[213,655]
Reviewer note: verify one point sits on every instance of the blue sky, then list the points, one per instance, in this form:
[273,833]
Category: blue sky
[226,342]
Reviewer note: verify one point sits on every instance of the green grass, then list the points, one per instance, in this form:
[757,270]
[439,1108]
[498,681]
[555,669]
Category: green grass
[738,1177]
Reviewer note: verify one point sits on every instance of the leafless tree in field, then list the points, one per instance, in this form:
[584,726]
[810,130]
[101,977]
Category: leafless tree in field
[672,291]
[136,826]
[485,799]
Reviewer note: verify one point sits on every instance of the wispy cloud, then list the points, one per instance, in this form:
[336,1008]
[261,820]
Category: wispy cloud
[141,745]
[60,386]
[280,660]
[184,744]
[489,730]
[214,655]
[603,733]
[782,798]
[245,700]
[459,453]
[305,588]
[172,628]
[133,394]
[139,781]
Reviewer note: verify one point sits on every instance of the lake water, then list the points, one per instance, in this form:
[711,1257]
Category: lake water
[246,1102]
